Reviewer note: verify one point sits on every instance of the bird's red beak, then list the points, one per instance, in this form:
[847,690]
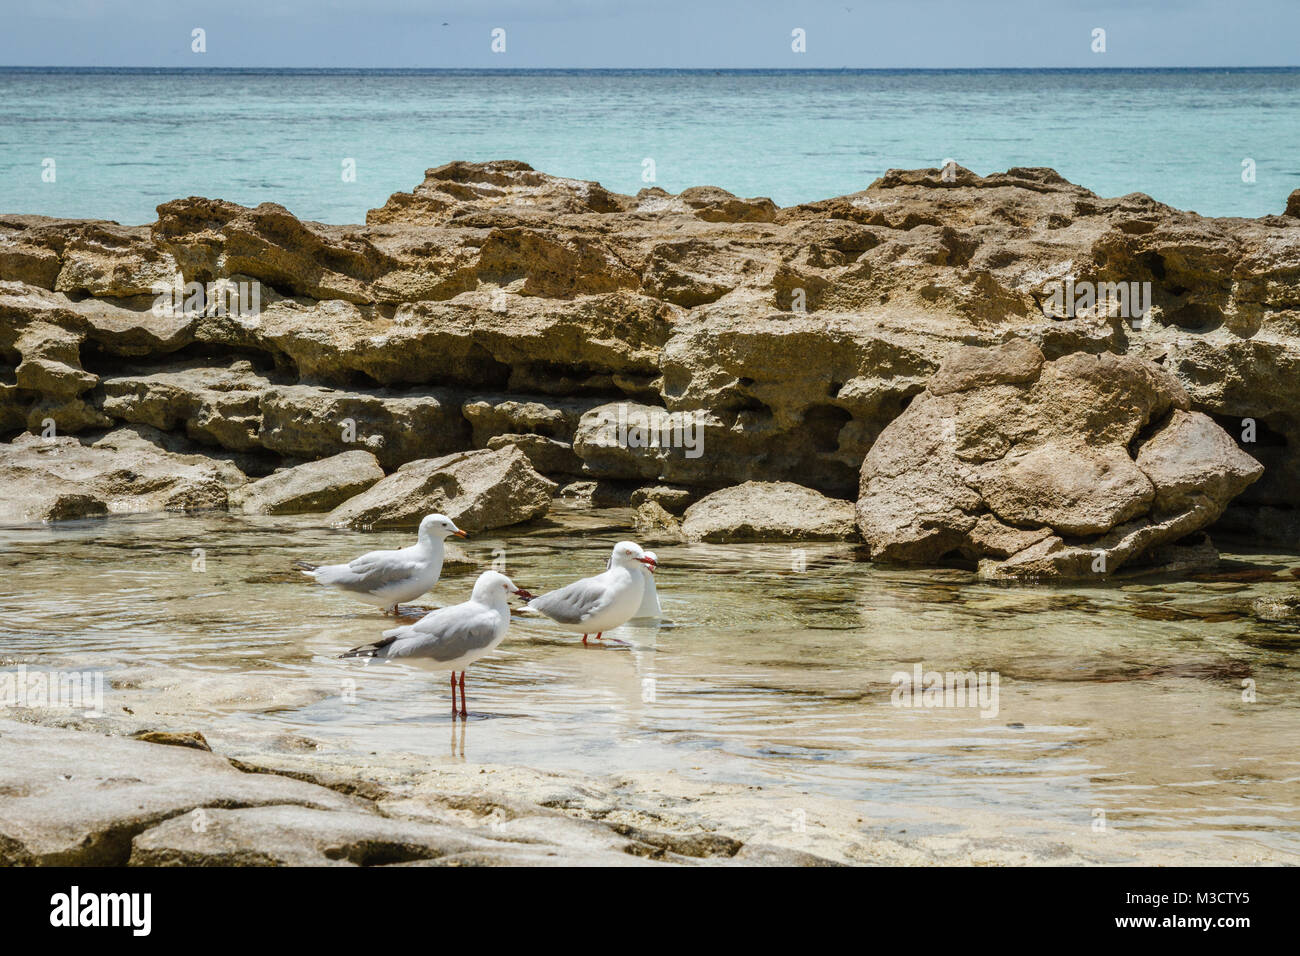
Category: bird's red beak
[523,593]
[460,534]
[649,563]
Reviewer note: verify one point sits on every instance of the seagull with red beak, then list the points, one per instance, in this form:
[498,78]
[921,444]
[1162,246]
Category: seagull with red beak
[603,602]
[387,578]
[452,638]
[649,609]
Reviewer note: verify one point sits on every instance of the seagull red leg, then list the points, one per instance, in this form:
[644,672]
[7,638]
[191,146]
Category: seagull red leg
[464,713]
[453,693]
[584,640]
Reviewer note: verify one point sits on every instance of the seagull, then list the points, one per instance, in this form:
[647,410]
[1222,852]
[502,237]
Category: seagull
[649,608]
[650,597]
[603,602]
[453,637]
[387,578]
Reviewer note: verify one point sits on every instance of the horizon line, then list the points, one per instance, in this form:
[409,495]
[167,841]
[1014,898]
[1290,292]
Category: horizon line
[645,69]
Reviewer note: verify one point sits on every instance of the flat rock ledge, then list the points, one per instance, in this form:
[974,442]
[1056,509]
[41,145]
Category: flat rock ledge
[80,798]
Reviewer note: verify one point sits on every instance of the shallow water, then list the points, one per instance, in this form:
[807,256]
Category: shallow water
[1126,699]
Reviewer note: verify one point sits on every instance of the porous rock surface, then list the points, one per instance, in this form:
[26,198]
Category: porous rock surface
[495,302]
[1037,468]
[81,798]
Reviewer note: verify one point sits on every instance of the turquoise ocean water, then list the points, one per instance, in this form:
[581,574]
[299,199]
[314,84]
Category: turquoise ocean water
[123,141]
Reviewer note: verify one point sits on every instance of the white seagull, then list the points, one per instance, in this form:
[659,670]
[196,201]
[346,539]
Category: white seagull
[603,602]
[650,597]
[649,609]
[387,578]
[453,637]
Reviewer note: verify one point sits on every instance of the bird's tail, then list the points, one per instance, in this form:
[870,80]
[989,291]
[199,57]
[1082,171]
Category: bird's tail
[369,650]
[305,567]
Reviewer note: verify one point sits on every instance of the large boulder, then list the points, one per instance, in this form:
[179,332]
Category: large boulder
[478,490]
[313,486]
[769,511]
[1063,468]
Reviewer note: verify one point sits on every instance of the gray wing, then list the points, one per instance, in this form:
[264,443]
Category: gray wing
[445,635]
[575,603]
[370,572]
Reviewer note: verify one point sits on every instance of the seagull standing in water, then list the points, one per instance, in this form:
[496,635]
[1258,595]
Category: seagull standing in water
[387,578]
[603,602]
[452,638]
[650,597]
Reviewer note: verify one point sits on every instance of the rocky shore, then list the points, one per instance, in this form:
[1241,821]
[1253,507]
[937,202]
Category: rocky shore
[925,366]
[83,798]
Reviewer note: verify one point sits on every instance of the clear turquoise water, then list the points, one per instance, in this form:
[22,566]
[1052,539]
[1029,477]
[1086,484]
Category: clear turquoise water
[124,141]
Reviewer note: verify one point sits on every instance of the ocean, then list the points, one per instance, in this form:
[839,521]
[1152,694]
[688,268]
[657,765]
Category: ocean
[113,144]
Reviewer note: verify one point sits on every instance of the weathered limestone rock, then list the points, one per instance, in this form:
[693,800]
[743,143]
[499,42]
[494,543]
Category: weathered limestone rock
[1067,468]
[306,421]
[1066,486]
[79,798]
[492,415]
[212,404]
[631,441]
[128,470]
[304,836]
[485,340]
[269,244]
[717,205]
[478,490]
[674,499]
[548,456]
[501,188]
[108,260]
[797,335]
[1195,466]
[769,511]
[69,798]
[240,409]
[654,521]
[314,486]
[50,362]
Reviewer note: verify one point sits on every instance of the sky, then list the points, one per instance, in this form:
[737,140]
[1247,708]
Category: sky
[719,34]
